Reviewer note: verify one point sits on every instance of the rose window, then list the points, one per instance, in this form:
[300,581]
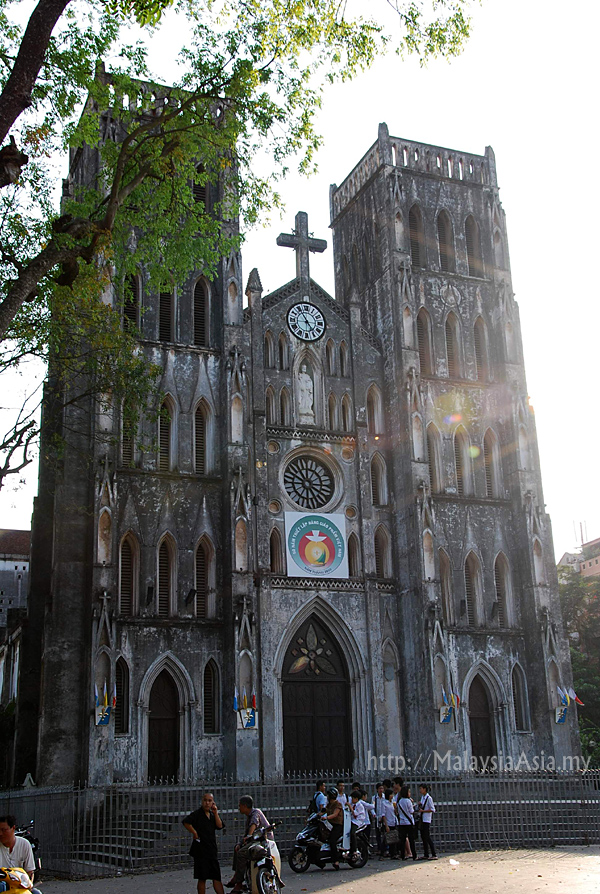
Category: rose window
[308,482]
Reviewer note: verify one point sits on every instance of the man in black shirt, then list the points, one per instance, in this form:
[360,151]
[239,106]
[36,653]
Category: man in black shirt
[202,824]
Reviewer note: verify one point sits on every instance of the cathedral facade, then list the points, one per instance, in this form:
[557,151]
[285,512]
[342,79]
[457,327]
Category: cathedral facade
[332,547]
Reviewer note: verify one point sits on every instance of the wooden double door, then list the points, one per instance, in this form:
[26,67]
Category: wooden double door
[163,729]
[316,715]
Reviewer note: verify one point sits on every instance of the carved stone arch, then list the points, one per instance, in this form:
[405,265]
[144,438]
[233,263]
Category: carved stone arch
[285,407]
[434,458]
[399,231]
[344,370]
[166,575]
[499,249]
[482,350]
[491,464]
[129,574]
[462,462]
[375,420]
[441,678]
[354,560]
[407,327]
[347,415]
[360,719]
[186,719]
[270,406]
[379,488]
[284,351]
[330,356]
[454,342]
[447,588]
[505,611]
[538,562]
[104,542]
[382,551]
[520,697]
[245,675]
[332,413]
[473,576]
[204,437]
[497,704]
[553,680]
[418,438]
[425,342]
[428,555]
[234,306]
[390,660]
[277,561]
[167,434]
[211,697]
[205,578]
[269,350]
[202,301]
[445,237]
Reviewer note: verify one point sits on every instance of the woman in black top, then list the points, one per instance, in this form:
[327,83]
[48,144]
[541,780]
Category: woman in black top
[202,824]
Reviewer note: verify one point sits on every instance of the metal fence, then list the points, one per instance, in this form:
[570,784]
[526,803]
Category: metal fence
[100,831]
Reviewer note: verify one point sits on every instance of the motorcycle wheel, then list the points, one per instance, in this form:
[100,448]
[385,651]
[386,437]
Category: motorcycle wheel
[359,858]
[298,860]
[267,882]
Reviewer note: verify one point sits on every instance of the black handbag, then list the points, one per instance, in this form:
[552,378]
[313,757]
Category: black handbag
[393,836]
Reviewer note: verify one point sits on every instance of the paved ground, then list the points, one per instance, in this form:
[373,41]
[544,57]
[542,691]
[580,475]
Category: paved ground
[575,870]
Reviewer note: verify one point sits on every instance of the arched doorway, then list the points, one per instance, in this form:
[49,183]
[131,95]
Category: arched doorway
[316,715]
[481,722]
[163,729]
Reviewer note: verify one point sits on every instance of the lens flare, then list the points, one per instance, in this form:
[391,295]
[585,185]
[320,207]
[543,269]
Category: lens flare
[454,417]
[474,451]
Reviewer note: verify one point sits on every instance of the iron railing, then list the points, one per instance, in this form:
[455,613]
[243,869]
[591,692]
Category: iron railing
[125,828]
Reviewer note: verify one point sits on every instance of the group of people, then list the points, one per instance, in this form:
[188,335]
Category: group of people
[391,811]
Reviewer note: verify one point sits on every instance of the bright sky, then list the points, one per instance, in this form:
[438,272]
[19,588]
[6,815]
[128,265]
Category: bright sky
[524,86]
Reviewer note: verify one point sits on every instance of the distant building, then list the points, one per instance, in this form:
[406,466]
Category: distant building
[14,570]
[586,562]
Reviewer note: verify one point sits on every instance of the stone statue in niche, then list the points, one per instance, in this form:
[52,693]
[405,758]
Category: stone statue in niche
[306,393]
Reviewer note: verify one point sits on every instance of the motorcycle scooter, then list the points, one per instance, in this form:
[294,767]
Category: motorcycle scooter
[263,874]
[310,848]
[16,880]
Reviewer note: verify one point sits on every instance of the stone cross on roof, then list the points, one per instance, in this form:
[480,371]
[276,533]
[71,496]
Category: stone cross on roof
[302,244]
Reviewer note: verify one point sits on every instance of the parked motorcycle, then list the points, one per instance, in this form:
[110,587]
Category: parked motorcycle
[263,873]
[16,880]
[26,832]
[310,847]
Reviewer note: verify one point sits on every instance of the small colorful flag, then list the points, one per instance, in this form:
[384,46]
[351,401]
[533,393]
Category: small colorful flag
[564,698]
[452,700]
[105,696]
[456,699]
[574,696]
[254,700]
[96,694]
[114,697]
[235,699]
[244,699]
[444,696]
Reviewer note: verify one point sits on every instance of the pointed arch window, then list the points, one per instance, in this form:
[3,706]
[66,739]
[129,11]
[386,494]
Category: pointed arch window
[502,587]
[378,481]
[499,250]
[199,187]
[381,545]
[520,701]
[127,438]
[452,346]
[269,351]
[407,328]
[353,556]
[270,407]
[417,242]
[285,407]
[210,693]
[523,447]
[202,573]
[399,231]
[346,413]
[201,306]
[445,242]
[472,589]
[165,437]
[509,336]
[417,438]
[121,709]
[491,465]
[343,359]
[473,247]
[241,546]
[201,424]
[165,316]
[131,304]
[434,459]
[330,353]
[276,552]
[446,588]
[428,557]
[128,576]
[374,411]
[462,463]
[332,411]
[284,357]
[166,568]
[538,562]
[481,355]
[424,342]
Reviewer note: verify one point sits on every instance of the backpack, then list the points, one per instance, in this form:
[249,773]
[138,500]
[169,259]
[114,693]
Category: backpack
[312,807]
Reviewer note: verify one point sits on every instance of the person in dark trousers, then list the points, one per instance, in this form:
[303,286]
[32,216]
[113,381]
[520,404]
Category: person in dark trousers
[241,855]
[202,824]
[335,815]
[406,822]
[426,810]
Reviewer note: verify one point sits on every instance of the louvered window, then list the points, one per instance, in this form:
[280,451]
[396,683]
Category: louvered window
[202,559]
[346,414]
[332,410]
[444,229]
[446,589]
[121,709]
[500,582]
[165,317]
[423,340]
[164,581]
[381,557]
[200,441]
[200,315]
[211,713]
[432,460]
[480,351]
[127,441]
[459,465]
[126,584]
[130,304]
[343,360]
[414,226]
[353,557]
[451,349]
[276,552]
[473,249]
[164,438]
[375,484]
[470,593]
[270,408]
[199,189]
[488,461]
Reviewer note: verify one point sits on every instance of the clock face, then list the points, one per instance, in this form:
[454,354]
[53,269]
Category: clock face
[306,321]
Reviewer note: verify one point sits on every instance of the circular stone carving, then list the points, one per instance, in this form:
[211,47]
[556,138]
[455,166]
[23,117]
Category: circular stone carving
[348,453]
[273,446]
[308,482]
[274,506]
[350,511]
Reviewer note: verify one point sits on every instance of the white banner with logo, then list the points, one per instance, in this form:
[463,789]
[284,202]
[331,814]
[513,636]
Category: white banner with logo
[315,545]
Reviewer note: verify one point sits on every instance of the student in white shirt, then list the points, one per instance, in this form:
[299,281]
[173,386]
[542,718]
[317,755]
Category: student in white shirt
[390,820]
[426,810]
[406,822]
[342,798]
[379,801]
